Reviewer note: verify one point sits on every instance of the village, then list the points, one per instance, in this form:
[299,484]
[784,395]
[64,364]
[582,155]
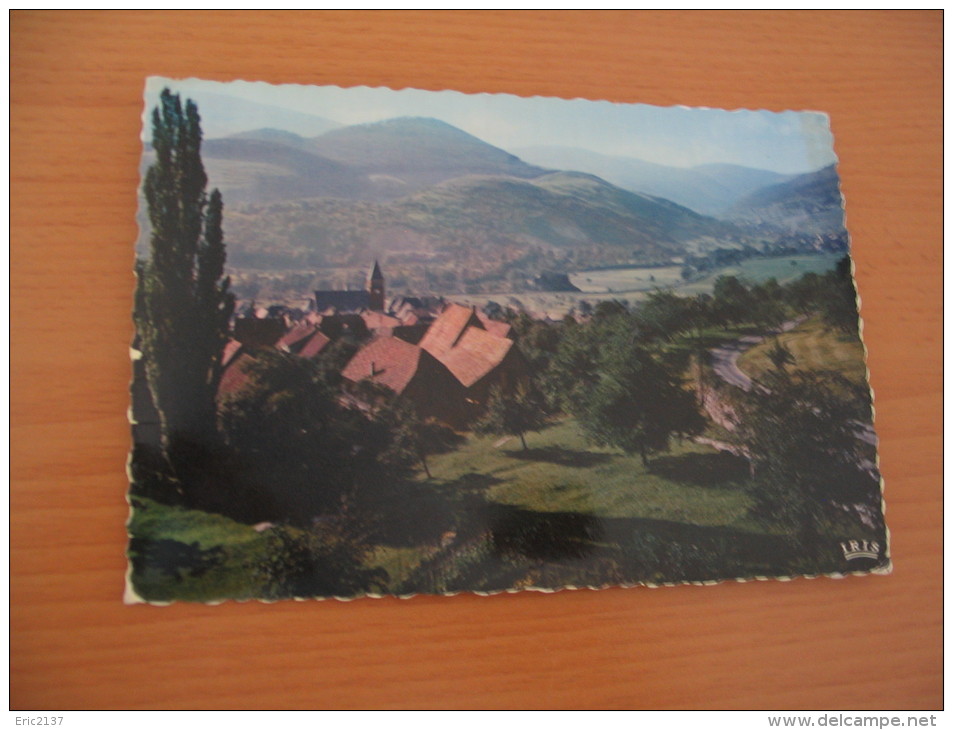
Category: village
[442,357]
[638,431]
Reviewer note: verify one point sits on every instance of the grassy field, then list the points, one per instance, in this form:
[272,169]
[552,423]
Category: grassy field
[627,280]
[814,347]
[560,472]
[192,556]
[556,482]
[633,285]
[783,268]
[495,516]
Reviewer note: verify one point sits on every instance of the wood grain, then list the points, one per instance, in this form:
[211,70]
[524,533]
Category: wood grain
[76,85]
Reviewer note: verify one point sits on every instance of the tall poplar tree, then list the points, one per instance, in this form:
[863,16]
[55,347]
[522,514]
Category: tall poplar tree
[183,302]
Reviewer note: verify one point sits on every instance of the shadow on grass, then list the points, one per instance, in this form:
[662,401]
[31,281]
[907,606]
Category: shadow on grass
[471,483]
[411,514]
[703,470]
[173,558]
[535,535]
[507,547]
[560,456]
[556,536]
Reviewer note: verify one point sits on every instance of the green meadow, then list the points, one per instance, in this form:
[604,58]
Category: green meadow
[494,515]
[633,285]
[814,346]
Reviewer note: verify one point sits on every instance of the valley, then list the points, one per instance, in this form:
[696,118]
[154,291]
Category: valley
[450,214]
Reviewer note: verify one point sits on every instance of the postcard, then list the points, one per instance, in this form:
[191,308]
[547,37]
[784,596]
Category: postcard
[391,343]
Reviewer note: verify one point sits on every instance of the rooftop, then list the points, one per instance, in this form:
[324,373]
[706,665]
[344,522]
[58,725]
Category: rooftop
[388,361]
[448,328]
[475,355]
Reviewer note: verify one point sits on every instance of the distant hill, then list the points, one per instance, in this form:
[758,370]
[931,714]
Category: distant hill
[809,203]
[270,134]
[250,170]
[485,224]
[444,209]
[418,152]
[378,161]
[224,115]
[708,189]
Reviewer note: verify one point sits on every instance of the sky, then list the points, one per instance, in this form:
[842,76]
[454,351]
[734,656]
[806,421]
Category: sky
[788,142]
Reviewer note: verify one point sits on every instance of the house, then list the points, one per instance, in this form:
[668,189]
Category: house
[481,361]
[314,345]
[449,327]
[234,376]
[380,323]
[412,373]
[477,350]
[304,340]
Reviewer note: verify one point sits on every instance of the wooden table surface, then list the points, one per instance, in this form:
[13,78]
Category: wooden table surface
[76,87]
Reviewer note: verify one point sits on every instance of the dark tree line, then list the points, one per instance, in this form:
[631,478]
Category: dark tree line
[183,302]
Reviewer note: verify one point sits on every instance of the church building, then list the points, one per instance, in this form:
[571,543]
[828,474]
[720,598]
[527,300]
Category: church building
[371,297]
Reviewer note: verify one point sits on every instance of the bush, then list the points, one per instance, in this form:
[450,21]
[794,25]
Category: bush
[324,561]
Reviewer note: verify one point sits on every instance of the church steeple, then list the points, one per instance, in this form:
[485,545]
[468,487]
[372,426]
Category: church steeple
[375,288]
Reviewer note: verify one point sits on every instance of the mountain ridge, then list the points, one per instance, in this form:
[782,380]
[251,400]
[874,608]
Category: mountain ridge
[481,224]
[805,204]
[710,189]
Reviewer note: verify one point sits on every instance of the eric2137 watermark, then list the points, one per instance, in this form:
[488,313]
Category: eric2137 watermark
[39,720]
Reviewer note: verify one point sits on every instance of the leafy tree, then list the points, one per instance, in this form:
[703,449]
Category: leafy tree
[183,302]
[514,415]
[609,308]
[767,304]
[664,314]
[833,295]
[802,434]
[402,438]
[297,448]
[637,404]
[839,306]
[732,300]
[572,368]
[806,293]
[780,356]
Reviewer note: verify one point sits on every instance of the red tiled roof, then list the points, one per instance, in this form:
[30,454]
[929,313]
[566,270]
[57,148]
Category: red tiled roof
[235,378]
[295,336]
[449,327]
[475,355]
[379,320]
[231,350]
[315,345]
[494,327]
[387,361]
